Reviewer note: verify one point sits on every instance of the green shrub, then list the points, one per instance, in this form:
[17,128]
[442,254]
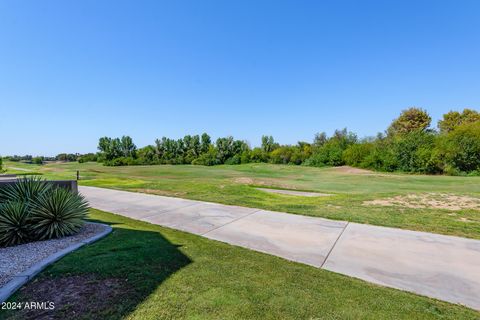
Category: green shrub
[33,210]
[413,151]
[14,223]
[355,154]
[58,213]
[281,155]
[381,157]
[87,158]
[121,161]
[37,160]
[236,159]
[27,189]
[460,149]
[207,159]
[258,155]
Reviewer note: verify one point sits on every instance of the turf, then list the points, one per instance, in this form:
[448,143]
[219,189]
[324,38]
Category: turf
[236,185]
[168,274]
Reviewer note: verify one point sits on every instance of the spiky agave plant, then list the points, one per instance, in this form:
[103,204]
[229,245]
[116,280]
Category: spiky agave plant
[58,213]
[14,223]
[27,190]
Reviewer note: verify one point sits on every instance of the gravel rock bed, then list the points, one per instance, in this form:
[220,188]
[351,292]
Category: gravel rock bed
[14,260]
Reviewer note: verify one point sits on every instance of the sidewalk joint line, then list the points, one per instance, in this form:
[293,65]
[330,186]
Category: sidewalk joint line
[203,234]
[333,246]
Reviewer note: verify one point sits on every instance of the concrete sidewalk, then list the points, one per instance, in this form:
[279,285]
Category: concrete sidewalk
[442,267]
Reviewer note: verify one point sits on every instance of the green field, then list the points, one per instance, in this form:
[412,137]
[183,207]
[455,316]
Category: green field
[144,271]
[349,190]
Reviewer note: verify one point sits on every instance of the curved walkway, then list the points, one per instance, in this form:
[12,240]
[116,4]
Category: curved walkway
[438,266]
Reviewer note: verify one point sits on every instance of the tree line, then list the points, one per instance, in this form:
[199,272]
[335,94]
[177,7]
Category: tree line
[409,144]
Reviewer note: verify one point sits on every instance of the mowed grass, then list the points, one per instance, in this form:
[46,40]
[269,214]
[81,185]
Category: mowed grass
[236,184]
[151,272]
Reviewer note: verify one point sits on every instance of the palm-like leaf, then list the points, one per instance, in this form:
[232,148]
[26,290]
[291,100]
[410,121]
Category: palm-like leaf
[14,224]
[58,213]
[27,189]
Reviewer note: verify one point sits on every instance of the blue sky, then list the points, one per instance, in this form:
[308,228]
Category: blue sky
[72,71]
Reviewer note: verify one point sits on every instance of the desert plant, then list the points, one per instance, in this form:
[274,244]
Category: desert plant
[27,189]
[14,223]
[58,213]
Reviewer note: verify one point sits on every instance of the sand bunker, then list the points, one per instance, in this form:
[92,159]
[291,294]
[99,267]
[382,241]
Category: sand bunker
[430,200]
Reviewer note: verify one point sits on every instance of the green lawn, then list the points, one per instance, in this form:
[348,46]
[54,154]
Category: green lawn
[235,185]
[144,271]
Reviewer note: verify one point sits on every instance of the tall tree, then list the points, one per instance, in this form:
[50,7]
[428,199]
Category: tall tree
[128,148]
[268,144]
[412,119]
[453,119]
[205,143]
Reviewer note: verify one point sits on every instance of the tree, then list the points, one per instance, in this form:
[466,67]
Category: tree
[268,144]
[37,160]
[146,154]
[110,148]
[412,119]
[320,139]
[205,143]
[453,119]
[127,147]
[461,148]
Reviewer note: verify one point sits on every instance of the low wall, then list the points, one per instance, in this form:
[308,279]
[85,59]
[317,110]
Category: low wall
[67,184]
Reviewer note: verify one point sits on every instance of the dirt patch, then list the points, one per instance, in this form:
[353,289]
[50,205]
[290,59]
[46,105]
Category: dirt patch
[294,192]
[263,182]
[244,180]
[73,297]
[429,200]
[351,170]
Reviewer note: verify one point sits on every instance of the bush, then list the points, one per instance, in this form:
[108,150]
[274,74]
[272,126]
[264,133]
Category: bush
[281,155]
[207,159]
[14,223]
[356,154]
[37,160]
[236,159]
[27,189]
[414,152]
[32,210]
[121,161]
[460,149]
[89,157]
[58,213]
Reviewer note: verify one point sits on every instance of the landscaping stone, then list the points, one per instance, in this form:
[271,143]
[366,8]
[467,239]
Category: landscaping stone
[18,264]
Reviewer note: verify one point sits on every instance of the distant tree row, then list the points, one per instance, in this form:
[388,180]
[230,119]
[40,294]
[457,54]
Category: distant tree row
[409,144]
[42,159]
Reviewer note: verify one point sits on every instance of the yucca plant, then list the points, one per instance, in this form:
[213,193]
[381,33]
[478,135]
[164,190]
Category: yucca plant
[14,223]
[57,213]
[27,190]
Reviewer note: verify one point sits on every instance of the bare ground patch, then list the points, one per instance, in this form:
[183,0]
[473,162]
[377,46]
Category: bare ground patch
[351,170]
[73,296]
[430,200]
[294,192]
[262,182]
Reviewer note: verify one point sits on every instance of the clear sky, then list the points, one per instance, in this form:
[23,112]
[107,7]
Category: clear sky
[72,71]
